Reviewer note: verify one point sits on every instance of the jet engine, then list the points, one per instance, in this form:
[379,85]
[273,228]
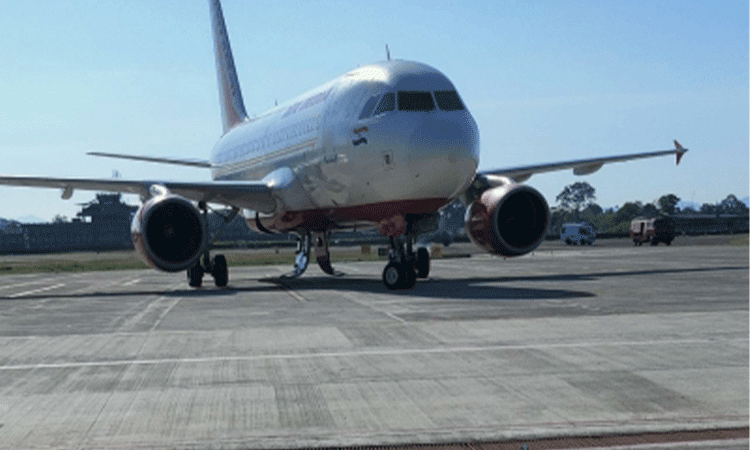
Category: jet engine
[169,233]
[508,220]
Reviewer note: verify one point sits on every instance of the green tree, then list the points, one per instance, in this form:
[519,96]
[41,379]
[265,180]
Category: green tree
[575,196]
[708,208]
[592,214]
[628,212]
[668,204]
[731,205]
[649,211]
[558,216]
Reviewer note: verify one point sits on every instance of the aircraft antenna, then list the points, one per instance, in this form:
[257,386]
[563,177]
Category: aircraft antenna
[387,52]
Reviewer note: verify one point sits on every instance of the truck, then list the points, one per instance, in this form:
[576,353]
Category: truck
[577,233]
[659,229]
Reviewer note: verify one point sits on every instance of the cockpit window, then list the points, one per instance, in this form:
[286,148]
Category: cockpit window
[387,104]
[367,110]
[415,101]
[449,101]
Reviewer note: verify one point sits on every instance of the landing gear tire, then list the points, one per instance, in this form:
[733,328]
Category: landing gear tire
[217,268]
[399,276]
[405,265]
[220,271]
[392,275]
[195,276]
[422,265]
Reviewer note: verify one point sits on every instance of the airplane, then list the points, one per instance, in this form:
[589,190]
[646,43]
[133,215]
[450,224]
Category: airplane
[386,145]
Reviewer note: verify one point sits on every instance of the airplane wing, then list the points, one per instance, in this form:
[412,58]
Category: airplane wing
[580,166]
[255,195]
[176,161]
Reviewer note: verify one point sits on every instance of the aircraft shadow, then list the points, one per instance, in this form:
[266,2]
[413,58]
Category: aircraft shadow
[472,288]
[475,288]
[456,289]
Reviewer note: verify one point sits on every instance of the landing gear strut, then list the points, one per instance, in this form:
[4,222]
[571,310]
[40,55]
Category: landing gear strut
[216,266]
[323,255]
[306,241]
[405,265]
[302,256]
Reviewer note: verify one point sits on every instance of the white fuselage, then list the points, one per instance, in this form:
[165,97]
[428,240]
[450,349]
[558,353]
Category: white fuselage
[384,140]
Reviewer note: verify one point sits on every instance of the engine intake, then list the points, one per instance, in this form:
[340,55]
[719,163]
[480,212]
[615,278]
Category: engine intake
[508,220]
[169,233]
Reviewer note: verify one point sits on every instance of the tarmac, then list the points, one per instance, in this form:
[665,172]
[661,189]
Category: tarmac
[580,342]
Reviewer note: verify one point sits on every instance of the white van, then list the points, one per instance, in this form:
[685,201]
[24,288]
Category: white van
[578,234]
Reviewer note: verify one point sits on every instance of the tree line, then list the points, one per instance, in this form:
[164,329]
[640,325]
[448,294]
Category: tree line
[577,203]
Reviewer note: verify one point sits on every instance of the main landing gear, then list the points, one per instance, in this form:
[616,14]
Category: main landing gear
[306,241]
[405,265]
[216,266]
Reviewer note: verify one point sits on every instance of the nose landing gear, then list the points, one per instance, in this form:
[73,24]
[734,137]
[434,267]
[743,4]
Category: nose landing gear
[323,255]
[301,256]
[308,240]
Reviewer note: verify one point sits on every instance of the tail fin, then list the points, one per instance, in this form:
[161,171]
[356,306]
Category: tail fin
[232,106]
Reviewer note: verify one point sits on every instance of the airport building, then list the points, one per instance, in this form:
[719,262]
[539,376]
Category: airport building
[699,224]
[102,224]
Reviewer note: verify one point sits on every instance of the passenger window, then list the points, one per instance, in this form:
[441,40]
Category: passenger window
[415,101]
[367,110]
[387,104]
[449,101]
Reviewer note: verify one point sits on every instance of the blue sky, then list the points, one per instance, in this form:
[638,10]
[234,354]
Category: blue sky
[546,81]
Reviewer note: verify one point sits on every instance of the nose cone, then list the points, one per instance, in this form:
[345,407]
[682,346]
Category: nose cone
[445,151]
[453,139]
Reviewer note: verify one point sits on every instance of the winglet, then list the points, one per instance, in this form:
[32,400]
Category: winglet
[680,151]
[230,96]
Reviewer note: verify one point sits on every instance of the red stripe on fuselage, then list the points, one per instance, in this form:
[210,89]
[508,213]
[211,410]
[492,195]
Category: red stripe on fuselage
[327,218]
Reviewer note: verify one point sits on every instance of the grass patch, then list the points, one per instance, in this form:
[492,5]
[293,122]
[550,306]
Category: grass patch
[129,260]
[66,266]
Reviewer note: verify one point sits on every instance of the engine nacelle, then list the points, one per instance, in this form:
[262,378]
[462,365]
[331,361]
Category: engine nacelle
[508,220]
[169,233]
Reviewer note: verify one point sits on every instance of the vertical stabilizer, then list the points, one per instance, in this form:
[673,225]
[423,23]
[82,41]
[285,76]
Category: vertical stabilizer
[232,106]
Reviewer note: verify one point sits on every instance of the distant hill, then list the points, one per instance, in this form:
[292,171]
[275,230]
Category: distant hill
[5,224]
[31,219]
[682,204]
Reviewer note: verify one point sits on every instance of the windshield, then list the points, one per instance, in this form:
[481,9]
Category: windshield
[388,103]
[367,109]
[415,101]
[449,101]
